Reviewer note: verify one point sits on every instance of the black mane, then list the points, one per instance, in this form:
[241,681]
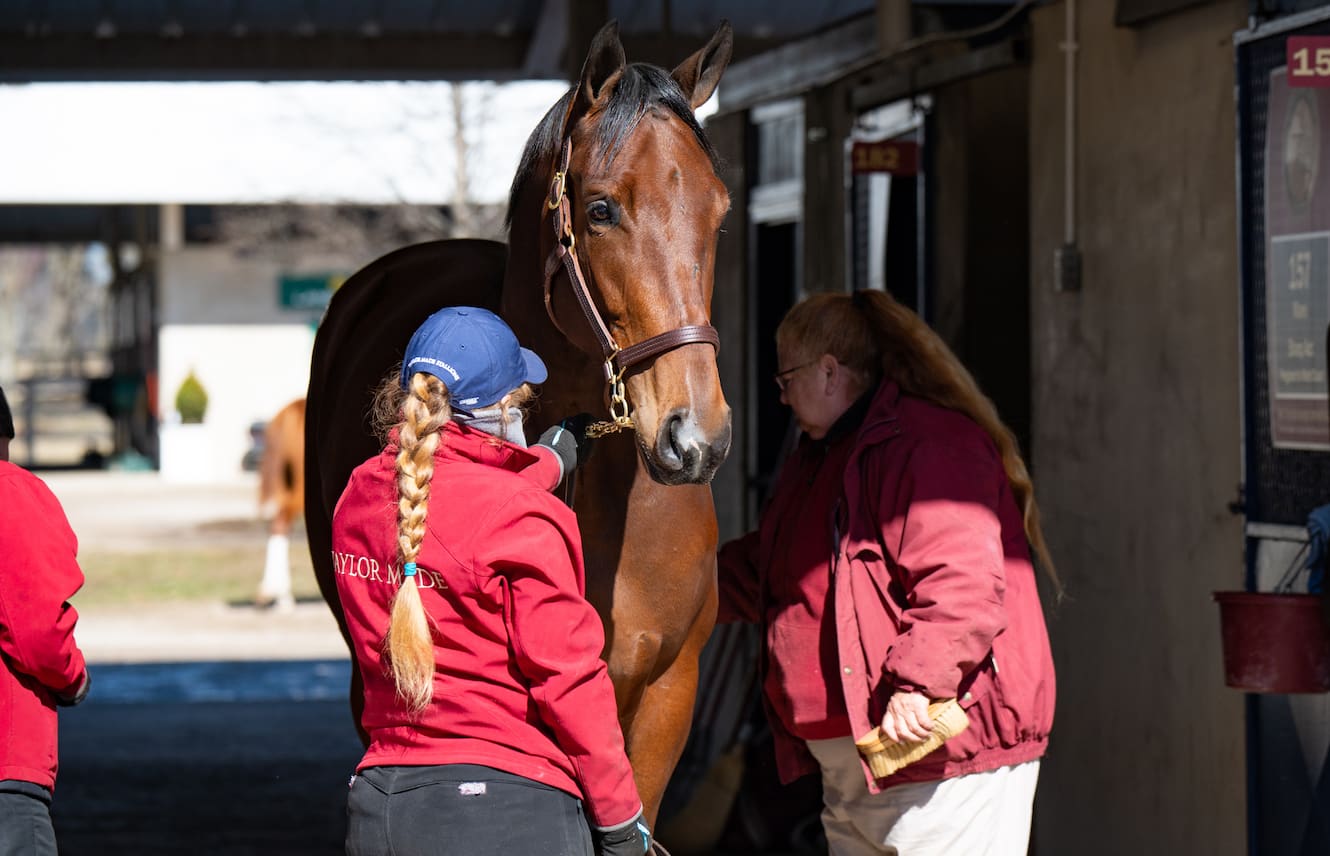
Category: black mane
[641,88]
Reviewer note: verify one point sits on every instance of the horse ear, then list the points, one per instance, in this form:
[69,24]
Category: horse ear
[698,75]
[603,67]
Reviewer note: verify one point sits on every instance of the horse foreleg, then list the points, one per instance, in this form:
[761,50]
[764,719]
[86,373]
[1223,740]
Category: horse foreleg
[659,711]
[275,586]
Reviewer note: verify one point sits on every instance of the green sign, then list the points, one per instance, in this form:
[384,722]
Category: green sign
[307,291]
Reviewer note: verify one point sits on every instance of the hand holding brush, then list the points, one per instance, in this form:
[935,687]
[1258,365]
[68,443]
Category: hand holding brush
[911,728]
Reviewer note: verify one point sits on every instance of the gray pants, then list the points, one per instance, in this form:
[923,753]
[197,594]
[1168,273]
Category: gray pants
[461,810]
[25,819]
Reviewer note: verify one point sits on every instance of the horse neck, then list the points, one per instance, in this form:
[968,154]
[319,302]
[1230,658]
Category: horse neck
[525,271]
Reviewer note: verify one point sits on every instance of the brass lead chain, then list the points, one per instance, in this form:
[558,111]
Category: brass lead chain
[618,405]
[597,430]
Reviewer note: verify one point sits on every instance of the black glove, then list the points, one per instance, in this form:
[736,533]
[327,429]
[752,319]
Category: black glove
[627,839]
[569,441]
[78,694]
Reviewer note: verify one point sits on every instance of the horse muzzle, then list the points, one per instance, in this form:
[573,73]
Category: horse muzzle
[685,452]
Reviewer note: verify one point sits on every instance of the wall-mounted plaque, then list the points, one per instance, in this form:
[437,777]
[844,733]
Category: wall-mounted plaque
[1297,280]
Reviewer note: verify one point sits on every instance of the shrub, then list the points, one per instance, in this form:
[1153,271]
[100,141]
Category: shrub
[191,400]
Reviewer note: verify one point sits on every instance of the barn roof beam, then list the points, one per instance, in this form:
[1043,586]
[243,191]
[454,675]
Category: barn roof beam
[274,57]
[268,56]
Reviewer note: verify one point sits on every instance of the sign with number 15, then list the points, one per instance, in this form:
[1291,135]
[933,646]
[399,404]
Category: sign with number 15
[1308,60]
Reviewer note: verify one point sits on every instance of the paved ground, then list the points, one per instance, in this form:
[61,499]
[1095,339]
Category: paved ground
[137,510]
[209,631]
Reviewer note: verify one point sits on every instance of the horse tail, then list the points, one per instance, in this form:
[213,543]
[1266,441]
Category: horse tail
[408,644]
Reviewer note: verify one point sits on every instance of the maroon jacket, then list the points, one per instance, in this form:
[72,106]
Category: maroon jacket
[38,576]
[518,684]
[932,589]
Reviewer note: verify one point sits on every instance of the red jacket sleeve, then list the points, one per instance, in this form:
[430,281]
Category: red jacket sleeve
[557,640]
[547,471]
[946,540]
[738,581]
[38,575]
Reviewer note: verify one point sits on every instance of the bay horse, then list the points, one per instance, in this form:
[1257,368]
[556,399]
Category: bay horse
[282,496]
[613,217]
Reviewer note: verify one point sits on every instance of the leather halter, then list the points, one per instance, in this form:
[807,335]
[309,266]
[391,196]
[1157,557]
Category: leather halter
[617,360]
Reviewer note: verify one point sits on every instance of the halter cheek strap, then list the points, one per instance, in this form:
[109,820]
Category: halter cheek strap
[617,360]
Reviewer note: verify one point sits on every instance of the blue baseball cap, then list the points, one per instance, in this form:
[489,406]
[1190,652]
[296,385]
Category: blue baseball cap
[474,353]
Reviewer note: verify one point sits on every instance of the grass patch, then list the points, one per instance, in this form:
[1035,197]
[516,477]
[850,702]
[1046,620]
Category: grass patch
[203,574]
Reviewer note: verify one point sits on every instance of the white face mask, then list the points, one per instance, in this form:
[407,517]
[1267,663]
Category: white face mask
[487,420]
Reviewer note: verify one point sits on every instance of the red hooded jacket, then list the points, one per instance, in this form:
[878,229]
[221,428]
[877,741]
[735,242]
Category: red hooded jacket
[38,575]
[930,588]
[519,684]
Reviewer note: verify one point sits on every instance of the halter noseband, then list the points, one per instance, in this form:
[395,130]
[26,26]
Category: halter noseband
[617,360]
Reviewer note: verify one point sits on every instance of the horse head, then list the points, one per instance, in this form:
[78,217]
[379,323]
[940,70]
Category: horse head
[628,237]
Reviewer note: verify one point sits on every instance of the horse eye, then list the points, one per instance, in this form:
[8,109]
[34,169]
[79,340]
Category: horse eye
[603,212]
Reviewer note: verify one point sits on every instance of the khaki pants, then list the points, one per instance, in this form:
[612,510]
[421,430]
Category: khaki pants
[982,814]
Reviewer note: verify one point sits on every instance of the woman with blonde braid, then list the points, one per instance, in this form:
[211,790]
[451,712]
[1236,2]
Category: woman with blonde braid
[492,721]
[892,569]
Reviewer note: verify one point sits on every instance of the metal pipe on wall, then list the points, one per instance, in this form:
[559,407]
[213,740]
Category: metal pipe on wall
[1067,258]
[1069,48]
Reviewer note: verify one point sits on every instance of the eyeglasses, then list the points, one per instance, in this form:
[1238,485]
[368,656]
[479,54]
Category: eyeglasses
[782,378]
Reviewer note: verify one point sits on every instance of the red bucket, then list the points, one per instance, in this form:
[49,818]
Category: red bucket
[1274,643]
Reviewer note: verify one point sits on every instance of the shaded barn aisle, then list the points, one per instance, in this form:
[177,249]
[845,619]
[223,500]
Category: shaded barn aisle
[217,758]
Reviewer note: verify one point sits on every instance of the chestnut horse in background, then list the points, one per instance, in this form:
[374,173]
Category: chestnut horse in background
[281,494]
[614,217]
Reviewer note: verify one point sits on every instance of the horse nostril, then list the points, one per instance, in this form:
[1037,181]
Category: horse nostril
[683,443]
[668,445]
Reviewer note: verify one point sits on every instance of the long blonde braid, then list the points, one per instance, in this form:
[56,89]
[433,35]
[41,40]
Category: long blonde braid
[410,648]
[875,336]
